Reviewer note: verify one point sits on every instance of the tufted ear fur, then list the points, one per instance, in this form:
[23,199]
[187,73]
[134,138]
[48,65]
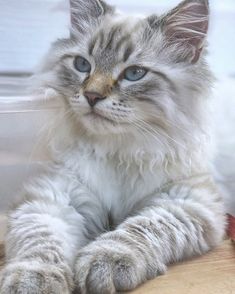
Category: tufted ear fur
[85,13]
[186,26]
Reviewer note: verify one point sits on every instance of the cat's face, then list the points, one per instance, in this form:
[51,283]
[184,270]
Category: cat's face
[113,81]
[120,74]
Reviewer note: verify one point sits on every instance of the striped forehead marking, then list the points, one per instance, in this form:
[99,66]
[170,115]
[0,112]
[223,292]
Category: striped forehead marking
[114,40]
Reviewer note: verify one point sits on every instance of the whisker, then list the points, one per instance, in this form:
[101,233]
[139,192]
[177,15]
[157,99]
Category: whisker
[151,129]
[164,134]
[169,123]
[139,122]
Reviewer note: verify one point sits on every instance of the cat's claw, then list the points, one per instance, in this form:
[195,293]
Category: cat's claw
[28,278]
[104,269]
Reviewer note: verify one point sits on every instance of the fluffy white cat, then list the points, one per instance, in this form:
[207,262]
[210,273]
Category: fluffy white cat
[129,190]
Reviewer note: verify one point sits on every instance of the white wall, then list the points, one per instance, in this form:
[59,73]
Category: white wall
[27,27]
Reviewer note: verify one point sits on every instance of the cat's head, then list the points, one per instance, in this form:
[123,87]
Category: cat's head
[124,74]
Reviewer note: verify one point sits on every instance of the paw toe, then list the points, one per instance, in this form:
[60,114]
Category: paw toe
[17,279]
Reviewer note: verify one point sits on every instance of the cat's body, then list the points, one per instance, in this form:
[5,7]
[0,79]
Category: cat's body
[129,190]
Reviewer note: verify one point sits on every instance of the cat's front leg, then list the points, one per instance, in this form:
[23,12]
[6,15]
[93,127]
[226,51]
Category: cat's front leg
[188,220]
[118,261]
[109,265]
[43,237]
[32,277]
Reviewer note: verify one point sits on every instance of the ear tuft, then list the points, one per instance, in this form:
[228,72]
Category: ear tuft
[187,25]
[84,13]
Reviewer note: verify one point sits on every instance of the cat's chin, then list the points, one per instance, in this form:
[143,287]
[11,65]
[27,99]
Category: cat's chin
[97,124]
[98,118]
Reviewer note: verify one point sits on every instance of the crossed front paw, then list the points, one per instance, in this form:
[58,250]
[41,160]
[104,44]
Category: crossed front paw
[35,278]
[107,267]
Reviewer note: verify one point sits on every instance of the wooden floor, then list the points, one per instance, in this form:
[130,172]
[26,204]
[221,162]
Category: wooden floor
[213,273]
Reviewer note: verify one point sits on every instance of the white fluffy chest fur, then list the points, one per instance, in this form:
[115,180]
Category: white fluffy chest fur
[118,186]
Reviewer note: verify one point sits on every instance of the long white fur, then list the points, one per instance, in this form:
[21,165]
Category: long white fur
[119,202]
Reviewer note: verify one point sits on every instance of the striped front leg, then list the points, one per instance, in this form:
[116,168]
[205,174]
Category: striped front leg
[40,248]
[186,221]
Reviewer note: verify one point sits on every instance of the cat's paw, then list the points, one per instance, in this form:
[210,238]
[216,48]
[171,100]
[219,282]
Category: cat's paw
[35,278]
[106,267]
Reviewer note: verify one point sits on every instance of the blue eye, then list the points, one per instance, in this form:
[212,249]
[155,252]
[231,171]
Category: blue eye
[134,73]
[81,64]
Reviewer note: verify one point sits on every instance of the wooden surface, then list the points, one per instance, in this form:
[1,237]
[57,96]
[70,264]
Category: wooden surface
[210,274]
[213,273]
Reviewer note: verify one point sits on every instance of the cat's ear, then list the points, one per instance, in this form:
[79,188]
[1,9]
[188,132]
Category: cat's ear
[87,12]
[187,26]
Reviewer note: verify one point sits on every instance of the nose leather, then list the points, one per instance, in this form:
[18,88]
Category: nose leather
[93,98]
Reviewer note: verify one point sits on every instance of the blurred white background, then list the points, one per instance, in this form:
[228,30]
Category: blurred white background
[27,28]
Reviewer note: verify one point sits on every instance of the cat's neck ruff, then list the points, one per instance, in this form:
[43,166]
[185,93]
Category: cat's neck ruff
[126,150]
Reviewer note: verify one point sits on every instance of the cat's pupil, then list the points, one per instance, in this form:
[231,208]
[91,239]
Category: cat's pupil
[136,71]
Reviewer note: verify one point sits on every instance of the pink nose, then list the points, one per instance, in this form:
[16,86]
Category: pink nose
[93,98]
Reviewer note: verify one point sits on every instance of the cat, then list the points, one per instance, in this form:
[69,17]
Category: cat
[129,189]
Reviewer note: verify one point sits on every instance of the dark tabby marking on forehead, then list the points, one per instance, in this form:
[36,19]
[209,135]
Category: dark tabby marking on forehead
[124,39]
[127,53]
[92,43]
[114,40]
[112,36]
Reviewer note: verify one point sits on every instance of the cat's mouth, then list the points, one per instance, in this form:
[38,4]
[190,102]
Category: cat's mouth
[98,116]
